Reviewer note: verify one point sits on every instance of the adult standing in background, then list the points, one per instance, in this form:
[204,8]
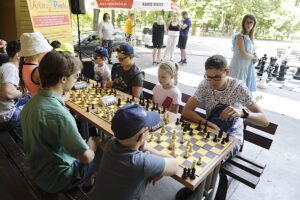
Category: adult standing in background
[173,35]
[184,32]
[129,26]
[107,35]
[242,62]
[158,31]
[3,55]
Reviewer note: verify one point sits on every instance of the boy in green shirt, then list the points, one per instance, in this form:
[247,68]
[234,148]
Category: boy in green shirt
[58,156]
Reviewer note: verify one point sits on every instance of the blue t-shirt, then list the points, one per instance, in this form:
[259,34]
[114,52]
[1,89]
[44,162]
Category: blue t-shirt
[124,172]
[185,32]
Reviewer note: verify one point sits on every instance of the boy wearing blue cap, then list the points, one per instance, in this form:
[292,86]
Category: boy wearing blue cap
[129,162]
[126,76]
[98,70]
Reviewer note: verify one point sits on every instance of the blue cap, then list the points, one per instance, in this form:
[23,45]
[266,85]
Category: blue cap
[126,49]
[101,51]
[130,119]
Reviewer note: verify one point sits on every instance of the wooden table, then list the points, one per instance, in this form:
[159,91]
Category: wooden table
[196,185]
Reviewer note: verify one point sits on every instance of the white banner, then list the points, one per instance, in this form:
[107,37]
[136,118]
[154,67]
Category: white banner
[153,5]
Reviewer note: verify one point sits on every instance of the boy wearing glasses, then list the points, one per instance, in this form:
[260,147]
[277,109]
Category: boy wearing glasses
[125,75]
[219,88]
[128,162]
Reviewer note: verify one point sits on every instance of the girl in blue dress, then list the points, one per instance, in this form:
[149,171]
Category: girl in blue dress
[242,63]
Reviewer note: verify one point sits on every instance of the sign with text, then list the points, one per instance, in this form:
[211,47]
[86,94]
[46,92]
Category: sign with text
[52,18]
[126,4]
[152,5]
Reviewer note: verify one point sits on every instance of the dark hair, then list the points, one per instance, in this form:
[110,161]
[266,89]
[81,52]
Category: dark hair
[184,13]
[104,15]
[251,33]
[55,65]
[218,62]
[55,44]
[13,47]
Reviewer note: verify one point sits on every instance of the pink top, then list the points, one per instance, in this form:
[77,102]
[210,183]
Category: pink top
[26,76]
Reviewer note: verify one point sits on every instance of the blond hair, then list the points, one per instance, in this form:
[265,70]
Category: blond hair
[160,20]
[171,68]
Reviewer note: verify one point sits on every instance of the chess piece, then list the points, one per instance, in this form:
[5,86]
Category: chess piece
[258,64]
[263,82]
[282,72]
[223,141]
[216,138]
[151,136]
[199,161]
[174,135]
[119,102]
[191,132]
[87,109]
[262,68]
[140,101]
[132,98]
[275,72]
[199,126]
[192,175]
[158,138]
[173,150]
[189,172]
[220,133]
[182,139]
[207,136]
[170,144]
[185,127]
[127,101]
[164,110]
[186,154]
[153,106]
[227,138]
[163,129]
[193,164]
[93,106]
[156,107]
[205,127]
[177,121]
[184,174]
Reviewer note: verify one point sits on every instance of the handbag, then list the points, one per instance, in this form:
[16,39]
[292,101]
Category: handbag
[214,117]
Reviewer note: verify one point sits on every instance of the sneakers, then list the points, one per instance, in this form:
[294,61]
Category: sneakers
[182,62]
[155,63]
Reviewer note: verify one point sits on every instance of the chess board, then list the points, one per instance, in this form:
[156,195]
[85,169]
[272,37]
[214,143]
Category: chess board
[202,147]
[89,99]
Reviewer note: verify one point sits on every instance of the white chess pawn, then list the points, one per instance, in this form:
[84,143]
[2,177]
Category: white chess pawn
[263,82]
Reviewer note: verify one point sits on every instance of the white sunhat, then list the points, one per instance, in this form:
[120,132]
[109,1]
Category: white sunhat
[33,44]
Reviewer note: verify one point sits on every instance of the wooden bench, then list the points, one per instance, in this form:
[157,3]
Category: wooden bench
[242,168]
[13,156]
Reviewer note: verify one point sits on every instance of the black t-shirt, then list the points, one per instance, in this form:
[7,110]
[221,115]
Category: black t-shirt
[124,80]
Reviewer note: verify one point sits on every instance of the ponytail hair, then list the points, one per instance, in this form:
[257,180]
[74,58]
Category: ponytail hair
[171,68]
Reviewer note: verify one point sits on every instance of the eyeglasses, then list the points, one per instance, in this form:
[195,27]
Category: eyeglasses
[122,59]
[215,78]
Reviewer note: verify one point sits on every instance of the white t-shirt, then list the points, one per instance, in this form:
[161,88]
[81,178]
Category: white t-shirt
[160,95]
[106,31]
[236,95]
[8,74]
[103,72]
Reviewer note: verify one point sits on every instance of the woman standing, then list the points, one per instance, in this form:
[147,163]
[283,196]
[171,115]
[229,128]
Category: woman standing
[173,35]
[158,31]
[242,63]
[107,35]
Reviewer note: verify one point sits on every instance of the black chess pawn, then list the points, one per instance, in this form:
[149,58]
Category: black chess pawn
[184,174]
[143,101]
[127,101]
[220,133]
[156,107]
[207,136]
[158,111]
[87,109]
[269,71]
[192,175]
[132,98]
[115,92]
[199,126]
[153,107]
[97,83]
[223,141]
[227,138]
[164,110]
[258,64]
[191,132]
[140,101]
[177,121]
[281,72]
[185,127]
[216,138]
[88,80]
[93,106]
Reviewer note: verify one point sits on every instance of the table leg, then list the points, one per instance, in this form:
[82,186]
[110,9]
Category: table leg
[211,194]
[297,74]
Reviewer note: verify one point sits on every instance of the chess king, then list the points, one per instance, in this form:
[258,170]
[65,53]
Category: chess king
[219,88]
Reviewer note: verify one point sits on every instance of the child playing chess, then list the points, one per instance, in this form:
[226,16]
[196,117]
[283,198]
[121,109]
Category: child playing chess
[166,94]
[129,163]
[98,70]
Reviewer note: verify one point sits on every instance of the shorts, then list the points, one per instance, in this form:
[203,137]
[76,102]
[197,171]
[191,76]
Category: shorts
[128,37]
[182,42]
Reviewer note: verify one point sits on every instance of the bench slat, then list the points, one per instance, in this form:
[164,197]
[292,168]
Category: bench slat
[252,161]
[247,166]
[257,139]
[240,175]
[271,128]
